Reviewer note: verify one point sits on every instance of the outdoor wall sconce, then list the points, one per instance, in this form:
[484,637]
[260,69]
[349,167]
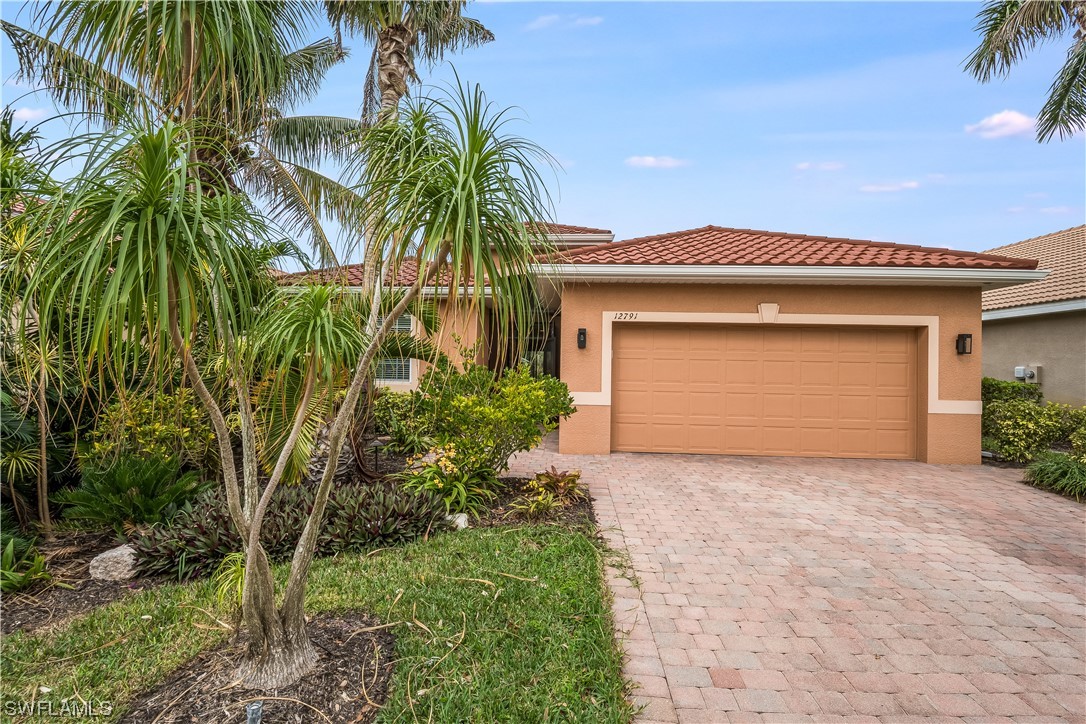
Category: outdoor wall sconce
[582,338]
[964,344]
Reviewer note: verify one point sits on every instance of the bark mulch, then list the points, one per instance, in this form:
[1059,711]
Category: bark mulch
[71,591]
[350,683]
[574,514]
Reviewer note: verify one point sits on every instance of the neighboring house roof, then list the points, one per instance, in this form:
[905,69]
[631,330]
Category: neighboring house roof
[569,229]
[715,245]
[1064,252]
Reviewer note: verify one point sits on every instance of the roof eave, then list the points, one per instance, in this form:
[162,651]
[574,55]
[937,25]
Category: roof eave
[780,274]
[1034,310]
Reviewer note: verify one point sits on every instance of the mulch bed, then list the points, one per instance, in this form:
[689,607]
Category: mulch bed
[68,558]
[349,684]
[577,513]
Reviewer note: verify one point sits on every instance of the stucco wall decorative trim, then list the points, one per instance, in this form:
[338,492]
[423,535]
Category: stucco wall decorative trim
[768,314]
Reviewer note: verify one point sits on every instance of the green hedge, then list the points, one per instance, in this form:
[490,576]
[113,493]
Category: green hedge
[993,390]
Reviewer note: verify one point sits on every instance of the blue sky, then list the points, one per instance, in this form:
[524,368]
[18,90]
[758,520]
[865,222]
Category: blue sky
[840,119]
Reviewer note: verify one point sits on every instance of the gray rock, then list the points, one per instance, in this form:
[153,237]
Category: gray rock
[459,521]
[116,564]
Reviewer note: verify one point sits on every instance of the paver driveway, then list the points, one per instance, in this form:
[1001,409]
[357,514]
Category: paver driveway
[776,589]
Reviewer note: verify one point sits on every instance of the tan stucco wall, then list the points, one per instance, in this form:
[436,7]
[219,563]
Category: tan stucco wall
[1055,341]
[944,438]
[458,320]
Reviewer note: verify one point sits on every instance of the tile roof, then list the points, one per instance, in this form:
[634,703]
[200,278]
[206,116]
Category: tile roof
[351,275]
[1064,252]
[724,246]
[570,230]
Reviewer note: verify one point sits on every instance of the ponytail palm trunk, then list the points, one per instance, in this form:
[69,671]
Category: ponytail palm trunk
[160,258]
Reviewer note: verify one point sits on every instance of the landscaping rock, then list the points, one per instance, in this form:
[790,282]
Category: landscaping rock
[459,521]
[116,564]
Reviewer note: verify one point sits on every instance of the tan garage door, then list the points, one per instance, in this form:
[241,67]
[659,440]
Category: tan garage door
[805,391]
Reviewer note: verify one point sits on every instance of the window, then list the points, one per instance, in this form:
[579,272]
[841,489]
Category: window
[396,369]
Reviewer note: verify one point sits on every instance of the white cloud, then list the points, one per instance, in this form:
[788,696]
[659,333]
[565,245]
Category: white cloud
[28,114]
[543,21]
[889,188]
[568,21]
[1016,209]
[1003,125]
[1057,210]
[656,162]
[821,166]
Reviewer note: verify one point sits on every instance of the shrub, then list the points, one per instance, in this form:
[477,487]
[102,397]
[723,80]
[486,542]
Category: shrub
[1059,472]
[19,571]
[462,480]
[510,416]
[1021,430]
[407,419]
[993,390]
[130,492]
[10,532]
[162,426]
[358,517]
[1078,443]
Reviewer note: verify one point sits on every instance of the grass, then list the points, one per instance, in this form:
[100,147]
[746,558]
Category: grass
[518,618]
[1060,473]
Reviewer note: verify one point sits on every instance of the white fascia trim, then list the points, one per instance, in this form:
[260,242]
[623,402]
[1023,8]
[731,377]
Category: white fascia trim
[990,278]
[1033,310]
[769,313]
[580,239]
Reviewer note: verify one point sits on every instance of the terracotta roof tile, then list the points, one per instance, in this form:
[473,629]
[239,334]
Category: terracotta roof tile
[1064,252]
[570,230]
[724,246]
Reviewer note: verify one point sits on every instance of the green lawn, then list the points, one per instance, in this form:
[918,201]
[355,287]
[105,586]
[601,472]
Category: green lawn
[532,650]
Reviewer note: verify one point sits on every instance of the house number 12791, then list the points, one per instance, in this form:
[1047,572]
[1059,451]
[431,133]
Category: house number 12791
[625,315]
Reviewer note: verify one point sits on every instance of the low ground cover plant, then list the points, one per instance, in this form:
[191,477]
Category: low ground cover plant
[550,490]
[1060,473]
[130,492]
[360,517]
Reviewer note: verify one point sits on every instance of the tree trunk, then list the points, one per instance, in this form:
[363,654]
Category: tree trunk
[395,66]
[278,652]
[43,464]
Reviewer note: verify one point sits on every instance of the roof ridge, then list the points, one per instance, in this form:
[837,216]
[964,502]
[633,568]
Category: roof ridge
[864,242]
[1035,238]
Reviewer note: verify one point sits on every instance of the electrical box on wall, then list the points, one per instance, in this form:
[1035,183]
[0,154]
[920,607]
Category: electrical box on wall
[1028,373]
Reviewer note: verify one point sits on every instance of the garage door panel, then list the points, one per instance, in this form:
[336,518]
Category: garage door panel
[838,392]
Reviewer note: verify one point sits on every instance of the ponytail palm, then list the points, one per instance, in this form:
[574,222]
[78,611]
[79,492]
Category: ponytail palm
[1011,28]
[136,248]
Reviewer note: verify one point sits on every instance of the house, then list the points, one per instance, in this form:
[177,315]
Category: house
[1036,332]
[743,342]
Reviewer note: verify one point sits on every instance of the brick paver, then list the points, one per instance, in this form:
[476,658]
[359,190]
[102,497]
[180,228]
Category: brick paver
[786,589]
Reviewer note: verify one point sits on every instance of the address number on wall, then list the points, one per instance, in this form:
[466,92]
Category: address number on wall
[625,315]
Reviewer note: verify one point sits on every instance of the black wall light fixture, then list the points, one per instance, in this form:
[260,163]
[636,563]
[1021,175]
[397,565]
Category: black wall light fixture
[964,344]
[582,338]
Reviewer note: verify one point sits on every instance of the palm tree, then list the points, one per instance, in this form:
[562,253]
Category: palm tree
[401,31]
[1010,28]
[150,253]
[235,64]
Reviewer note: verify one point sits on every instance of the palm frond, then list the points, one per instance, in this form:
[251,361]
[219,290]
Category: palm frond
[70,79]
[1065,110]
[298,198]
[310,140]
[1009,29]
[304,71]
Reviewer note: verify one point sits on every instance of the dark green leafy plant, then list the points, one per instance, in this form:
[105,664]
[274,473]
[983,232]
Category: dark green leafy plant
[1059,472]
[993,390]
[19,571]
[359,517]
[161,425]
[10,532]
[130,492]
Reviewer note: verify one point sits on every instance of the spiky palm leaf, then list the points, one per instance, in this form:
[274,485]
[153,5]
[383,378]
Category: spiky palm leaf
[1009,29]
